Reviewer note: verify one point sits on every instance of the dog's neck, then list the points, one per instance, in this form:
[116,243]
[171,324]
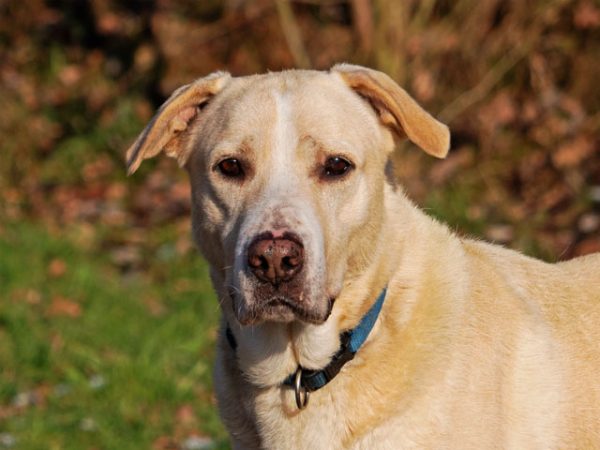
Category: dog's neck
[306,380]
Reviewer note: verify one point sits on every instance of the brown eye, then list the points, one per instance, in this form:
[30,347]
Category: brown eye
[336,166]
[231,167]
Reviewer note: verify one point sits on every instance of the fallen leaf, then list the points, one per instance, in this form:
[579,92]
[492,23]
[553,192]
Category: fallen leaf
[586,15]
[57,268]
[573,152]
[587,246]
[500,234]
[32,297]
[165,443]
[155,307]
[63,307]
[185,415]
[589,222]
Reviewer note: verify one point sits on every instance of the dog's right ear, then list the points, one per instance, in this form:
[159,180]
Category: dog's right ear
[168,130]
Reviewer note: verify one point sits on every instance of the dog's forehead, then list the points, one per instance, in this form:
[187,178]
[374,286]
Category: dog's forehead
[317,104]
[291,82]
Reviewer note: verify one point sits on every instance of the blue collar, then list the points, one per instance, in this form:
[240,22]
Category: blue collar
[303,380]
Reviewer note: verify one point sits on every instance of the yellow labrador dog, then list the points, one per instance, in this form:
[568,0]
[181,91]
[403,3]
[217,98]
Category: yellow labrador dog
[350,318]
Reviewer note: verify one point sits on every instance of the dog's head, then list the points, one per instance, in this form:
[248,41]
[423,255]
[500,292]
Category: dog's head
[287,176]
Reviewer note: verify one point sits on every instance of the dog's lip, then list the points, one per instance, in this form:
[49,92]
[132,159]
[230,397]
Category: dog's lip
[281,309]
[300,312]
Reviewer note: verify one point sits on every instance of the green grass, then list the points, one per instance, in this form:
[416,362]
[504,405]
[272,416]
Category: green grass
[113,372]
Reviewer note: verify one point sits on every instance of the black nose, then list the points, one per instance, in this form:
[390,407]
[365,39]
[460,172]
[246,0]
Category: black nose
[275,260]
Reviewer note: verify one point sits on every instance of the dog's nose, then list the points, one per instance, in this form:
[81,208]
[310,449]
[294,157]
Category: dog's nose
[275,260]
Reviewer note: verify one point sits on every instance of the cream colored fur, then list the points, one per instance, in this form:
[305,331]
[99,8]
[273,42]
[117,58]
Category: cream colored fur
[476,347]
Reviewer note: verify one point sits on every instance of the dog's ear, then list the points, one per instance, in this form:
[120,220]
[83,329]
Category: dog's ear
[396,109]
[166,131]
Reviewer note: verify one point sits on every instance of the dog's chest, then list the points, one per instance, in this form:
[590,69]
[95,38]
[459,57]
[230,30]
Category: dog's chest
[282,425]
[326,423]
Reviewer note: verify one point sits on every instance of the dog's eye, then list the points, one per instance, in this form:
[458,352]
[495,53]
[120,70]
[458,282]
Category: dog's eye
[336,166]
[231,167]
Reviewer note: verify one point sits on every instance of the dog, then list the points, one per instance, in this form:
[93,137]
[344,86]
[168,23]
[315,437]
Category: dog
[350,319]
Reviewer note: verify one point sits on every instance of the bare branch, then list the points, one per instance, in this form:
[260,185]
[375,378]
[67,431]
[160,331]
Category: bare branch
[291,32]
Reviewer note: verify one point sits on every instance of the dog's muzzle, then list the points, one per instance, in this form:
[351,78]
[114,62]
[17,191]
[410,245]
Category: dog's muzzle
[275,282]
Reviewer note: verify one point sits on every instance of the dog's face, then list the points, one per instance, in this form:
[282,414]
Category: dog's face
[287,175]
[281,185]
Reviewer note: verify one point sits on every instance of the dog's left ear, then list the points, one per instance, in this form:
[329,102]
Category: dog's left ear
[396,109]
[168,130]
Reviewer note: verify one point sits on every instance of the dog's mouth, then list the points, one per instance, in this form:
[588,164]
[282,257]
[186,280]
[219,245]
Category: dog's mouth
[278,277]
[280,309]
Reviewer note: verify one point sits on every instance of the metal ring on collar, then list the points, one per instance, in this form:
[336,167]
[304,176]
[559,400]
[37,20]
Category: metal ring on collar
[300,391]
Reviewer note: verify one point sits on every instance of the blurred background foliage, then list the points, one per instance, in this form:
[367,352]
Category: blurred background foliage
[107,321]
